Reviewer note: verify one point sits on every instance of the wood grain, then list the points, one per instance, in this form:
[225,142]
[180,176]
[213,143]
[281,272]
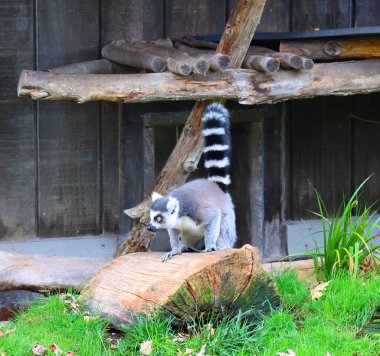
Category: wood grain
[41,273]
[337,48]
[68,174]
[185,288]
[17,124]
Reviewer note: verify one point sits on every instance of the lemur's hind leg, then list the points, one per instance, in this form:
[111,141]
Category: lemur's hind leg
[212,231]
[176,245]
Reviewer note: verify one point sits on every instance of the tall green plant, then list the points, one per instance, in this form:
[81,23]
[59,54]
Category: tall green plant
[347,237]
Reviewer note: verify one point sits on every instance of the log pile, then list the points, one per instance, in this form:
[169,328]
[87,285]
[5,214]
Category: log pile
[187,286]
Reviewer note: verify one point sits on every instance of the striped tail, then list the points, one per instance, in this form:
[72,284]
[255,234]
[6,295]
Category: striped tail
[217,150]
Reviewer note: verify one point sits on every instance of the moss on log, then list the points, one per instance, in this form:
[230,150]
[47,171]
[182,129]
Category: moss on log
[184,287]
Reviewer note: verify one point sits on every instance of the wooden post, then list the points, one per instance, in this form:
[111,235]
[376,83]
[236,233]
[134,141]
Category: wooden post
[237,36]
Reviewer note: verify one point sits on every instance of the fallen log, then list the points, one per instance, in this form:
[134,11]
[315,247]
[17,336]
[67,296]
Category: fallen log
[185,287]
[40,273]
[337,48]
[340,78]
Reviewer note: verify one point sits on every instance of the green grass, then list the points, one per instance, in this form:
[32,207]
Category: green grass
[347,237]
[306,326]
[49,322]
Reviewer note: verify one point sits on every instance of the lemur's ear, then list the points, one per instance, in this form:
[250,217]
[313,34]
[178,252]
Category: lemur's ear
[172,205]
[156,196]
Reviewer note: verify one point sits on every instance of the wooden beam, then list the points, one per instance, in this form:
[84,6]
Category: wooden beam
[237,36]
[337,48]
[248,87]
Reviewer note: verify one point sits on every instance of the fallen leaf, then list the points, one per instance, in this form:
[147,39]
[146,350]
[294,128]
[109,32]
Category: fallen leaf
[202,350]
[316,292]
[113,346]
[70,300]
[56,348]
[289,353]
[210,331]
[188,352]
[181,338]
[7,332]
[146,347]
[10,331]
[38,349]
[88,318]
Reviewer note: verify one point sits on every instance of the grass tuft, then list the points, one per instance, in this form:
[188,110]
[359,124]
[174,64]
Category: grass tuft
[347,237]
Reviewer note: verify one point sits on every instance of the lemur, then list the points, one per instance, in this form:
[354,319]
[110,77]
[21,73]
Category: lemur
[200,214]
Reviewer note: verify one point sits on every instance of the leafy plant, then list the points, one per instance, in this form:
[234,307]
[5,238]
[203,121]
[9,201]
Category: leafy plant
[347,237]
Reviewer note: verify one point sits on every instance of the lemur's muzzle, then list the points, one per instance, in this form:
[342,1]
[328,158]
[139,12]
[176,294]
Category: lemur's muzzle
[152,228]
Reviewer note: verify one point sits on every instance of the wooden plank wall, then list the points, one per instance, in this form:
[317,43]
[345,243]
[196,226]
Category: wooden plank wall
[69,170]
[332,142]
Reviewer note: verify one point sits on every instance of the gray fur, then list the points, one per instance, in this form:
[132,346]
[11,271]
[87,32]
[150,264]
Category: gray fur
[160,204]
[208,214]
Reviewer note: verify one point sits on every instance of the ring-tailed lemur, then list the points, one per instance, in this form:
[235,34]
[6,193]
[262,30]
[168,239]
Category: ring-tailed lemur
[200,215]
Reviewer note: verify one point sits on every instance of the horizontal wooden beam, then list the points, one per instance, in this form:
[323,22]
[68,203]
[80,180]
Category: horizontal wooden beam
[245,86]
[334,48]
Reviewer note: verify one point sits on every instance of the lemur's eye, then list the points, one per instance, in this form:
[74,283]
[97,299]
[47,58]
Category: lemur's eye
[158,218]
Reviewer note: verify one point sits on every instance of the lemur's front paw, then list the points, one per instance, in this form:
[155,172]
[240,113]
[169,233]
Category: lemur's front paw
[210,248]
[168,255]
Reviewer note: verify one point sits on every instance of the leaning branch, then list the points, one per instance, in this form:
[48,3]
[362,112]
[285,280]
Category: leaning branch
[247,87]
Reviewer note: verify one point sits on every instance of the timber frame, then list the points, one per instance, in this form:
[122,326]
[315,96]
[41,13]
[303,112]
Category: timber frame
[248,87]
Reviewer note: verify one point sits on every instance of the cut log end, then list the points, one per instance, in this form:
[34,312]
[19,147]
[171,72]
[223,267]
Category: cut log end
[178,67]
[307,63]
[201,67]
[185,287]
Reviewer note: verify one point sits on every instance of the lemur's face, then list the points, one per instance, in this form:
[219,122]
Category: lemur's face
[163,212]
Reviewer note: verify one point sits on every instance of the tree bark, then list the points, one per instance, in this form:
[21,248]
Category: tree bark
[237,36]
[185,287]
[339,78]
[41,273]
[332,49]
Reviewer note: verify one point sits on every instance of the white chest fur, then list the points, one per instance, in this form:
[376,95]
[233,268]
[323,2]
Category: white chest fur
[188,226]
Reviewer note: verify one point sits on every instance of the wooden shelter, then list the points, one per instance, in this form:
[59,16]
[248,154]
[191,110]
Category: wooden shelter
[68,170]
